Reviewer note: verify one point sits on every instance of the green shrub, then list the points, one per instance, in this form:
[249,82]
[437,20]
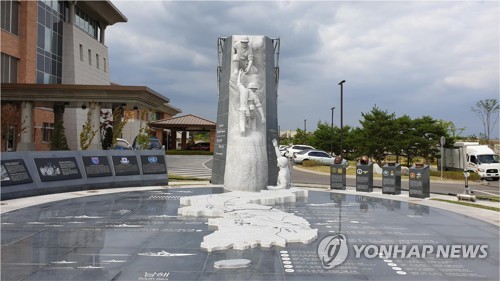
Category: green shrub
[488,198]
[59,141]
[87,134]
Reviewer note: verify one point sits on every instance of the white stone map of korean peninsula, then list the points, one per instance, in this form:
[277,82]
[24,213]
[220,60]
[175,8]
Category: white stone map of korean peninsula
[248,219]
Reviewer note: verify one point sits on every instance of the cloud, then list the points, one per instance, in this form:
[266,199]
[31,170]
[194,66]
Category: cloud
[417,58]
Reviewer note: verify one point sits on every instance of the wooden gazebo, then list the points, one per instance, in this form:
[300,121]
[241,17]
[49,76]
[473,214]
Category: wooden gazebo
[184,124]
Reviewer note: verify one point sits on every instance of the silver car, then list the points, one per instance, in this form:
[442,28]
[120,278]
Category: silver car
[316,155]
[295,149]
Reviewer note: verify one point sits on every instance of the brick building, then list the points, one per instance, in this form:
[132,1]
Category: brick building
[55,67]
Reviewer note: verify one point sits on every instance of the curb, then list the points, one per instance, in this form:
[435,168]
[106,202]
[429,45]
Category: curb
[488,216]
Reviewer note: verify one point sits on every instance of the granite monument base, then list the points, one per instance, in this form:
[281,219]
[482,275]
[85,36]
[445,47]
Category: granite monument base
[140,236]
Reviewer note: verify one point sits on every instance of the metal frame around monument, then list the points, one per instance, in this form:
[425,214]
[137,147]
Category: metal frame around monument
[276,47]
[220,52]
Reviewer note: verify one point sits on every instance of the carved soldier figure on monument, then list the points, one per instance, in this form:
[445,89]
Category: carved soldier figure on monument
[249,103]
[243,56]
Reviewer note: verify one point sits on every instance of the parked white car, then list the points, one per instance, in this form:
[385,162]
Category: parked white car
[310,155]
[296,148]
[122,144]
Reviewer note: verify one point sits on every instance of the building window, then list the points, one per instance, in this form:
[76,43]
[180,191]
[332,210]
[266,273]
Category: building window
[47,130]
[86,23]
[90,57]
[10,16]
[81,52]
[50,19]
[104,64]
[9,69]
[97,60]
[158,116]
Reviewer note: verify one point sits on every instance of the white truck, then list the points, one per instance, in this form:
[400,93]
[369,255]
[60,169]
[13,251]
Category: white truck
[472,156]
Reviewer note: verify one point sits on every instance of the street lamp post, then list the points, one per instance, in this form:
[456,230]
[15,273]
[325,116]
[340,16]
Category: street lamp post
[342,118]
[331,132]
[305,131]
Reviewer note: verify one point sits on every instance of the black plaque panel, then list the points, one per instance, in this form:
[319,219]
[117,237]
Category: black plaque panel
[364,177]
[56,169]
[391,179]
[125,165]
[96,166]
[337,176]
[419,183]
[14,172]
[153,164]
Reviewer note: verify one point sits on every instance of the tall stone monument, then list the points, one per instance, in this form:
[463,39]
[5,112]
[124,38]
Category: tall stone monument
[247,115]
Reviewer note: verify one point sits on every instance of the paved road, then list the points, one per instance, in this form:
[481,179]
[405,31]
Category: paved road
[199,166]
[452,187]
[193,166]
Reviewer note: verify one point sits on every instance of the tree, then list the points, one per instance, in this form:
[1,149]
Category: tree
[428,132]
[325,138]
[351,138]
[378,133]
[142,139]
[406,138]
[11,122]
[302,137]
[322,136]
[120,119]
[285,139]
[487,110]
[452,130]
[203,136]
[59,141]
[87,134]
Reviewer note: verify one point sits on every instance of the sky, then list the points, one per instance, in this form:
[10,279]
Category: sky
[435,58]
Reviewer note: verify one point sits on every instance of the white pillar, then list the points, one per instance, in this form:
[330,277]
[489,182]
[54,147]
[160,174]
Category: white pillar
[102,28]
[95,111]
[26,143]
[71,12]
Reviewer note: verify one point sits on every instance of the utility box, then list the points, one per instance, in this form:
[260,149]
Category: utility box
[391,178]
[364,175]
[420,181]
[337,176]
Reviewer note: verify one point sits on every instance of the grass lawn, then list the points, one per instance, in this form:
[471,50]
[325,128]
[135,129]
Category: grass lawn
[468,204]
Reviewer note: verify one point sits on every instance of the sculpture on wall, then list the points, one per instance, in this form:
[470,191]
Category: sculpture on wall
[247,115]
[284,178]
[249,103]
[243,56]
[246,166]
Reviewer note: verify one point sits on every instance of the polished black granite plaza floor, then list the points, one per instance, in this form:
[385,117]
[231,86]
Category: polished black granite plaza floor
[139,236]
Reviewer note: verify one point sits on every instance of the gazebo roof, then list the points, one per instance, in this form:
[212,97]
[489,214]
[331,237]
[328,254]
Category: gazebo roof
[187,122]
